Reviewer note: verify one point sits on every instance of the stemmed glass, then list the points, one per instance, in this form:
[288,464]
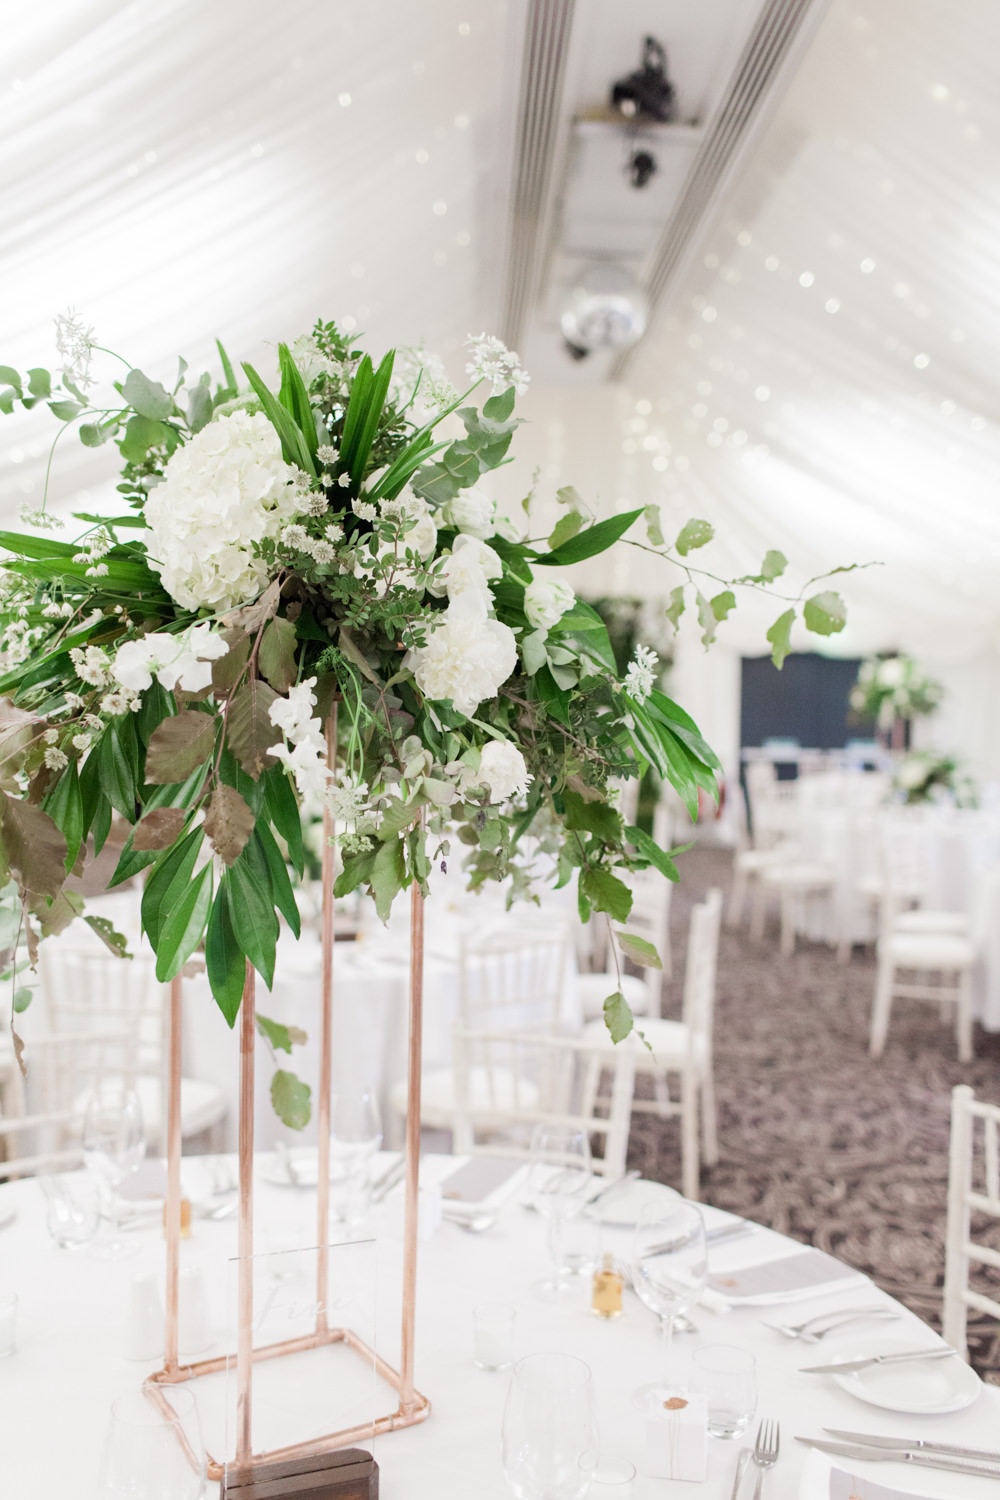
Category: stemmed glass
[71,1214]
[558,1178]
[355,1136]
[549,1436]
[669,1272]
[114,1143]
[153,1449]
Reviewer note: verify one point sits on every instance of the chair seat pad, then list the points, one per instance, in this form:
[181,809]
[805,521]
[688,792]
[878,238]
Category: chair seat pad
[593,989]
[920,920]
[668,1039]
[202,1105]
[928,950]
[800,877]
[437,1094]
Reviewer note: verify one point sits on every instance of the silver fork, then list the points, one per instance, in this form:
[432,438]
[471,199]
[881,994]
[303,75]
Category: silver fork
[804,1331]
[765,1452]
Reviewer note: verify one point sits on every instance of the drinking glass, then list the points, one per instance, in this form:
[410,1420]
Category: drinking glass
[70,1211]
[558,1178]
[726,1376]
[114,1144]
[669,1272]
[153,1449]
[355,1136]
[549,1436]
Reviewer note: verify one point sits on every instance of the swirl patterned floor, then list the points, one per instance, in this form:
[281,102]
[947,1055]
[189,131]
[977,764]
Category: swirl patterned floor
[817,1139]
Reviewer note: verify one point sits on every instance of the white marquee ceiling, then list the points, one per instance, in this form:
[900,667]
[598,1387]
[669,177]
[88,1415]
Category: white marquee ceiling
[824,381]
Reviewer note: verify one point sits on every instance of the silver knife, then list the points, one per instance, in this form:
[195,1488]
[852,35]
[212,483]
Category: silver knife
[741,1468]
[902,1456]
[388,1181]
[611,1187]
[952,1449]
[876,1359]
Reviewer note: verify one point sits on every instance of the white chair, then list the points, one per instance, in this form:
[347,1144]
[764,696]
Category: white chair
[85,988]
[511,978]
[506,1083]
[796,883]
[41,1118]
[683,1047]
[650,919]
[960,1249]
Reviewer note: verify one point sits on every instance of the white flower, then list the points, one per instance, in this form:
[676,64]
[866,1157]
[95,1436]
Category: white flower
[493,361]
[348,801]
[40,519]
[81,742]
[892,672]
[509,527]
[364,509]
[75,343]
[471,511]
[911,774]
[120,703]
[640,679]
[183,661]
[546,601]
[420,384]
[467,656]
[223,493]
[311,360]
[322,552]
[293,714]
[307,758]
[55,759]
[91,664]
[502,770]
[469,566]
[55,611]
[327,453]
[421,537]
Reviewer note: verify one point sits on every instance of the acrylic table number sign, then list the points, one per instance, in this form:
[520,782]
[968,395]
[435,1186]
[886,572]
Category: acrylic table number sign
[677,1437]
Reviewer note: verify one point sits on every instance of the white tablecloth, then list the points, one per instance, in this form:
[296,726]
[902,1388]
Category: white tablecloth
[55,1391]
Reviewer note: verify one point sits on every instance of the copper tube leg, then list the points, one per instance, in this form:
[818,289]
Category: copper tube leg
[244,1340]
[412,1148]
[173,1216]
[326,1043]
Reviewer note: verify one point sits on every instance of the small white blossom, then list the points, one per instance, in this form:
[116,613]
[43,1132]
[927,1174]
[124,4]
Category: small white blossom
[322,552]
[640,678]
[176,661]
[73,700]
[92,722]
[364,510]
[327,453]
[91,664]
[56,611]
[55,759]
[40,519]
[81,742]
[347,801]
[295,536]
[50,736]
[97,570]
[344,481]
[315,503]
[335,532]
[493,361]
[75,343]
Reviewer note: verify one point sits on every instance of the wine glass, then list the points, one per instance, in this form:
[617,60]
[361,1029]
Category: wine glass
[70,1211]
[669,1272]
[355,1136]
[558,1178]
[153,1449]
[549,1435]
[114,1143]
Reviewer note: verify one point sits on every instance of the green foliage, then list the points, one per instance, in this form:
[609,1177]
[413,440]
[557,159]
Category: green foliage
[618,1016]
[693,534]
[291,1099]
[825,614]
[779,635]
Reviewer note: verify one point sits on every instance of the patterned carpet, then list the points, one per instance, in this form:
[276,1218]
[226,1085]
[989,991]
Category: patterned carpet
[816,1139]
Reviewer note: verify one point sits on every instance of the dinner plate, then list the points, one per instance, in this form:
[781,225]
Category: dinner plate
[929,1387]
[883,1481]
[8,1213]
[623,1205]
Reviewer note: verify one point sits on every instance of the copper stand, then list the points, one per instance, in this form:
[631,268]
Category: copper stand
[412,1407]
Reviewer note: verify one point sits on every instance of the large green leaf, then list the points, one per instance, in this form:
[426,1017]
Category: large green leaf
[147,397]
[295,398]
[117,769]
[825,614]
[606,892]
[618,1016]
[592,817]
[225,960]
[64,805]
[281,885]
[650,849]
[285,815]
[590,542]
[252,913]
[294,444]
[290,1099]
[387,875]
[362,416]
[183,928]
[167,883]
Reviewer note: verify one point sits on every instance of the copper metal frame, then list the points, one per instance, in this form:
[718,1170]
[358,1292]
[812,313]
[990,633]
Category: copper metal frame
[412,1407]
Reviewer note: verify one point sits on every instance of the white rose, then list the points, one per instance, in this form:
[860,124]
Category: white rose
[545,602]
[467,656]
[510,528]
[469,566]
[892,672]
[911,774]
[422,537]
[502,770]
[472,512]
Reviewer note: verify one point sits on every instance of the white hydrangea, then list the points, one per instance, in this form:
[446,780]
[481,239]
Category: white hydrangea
[183,660]
[911,774]
[471,511]
[222,494]
[467,656]
[502,769]
[470,565]
[546,601]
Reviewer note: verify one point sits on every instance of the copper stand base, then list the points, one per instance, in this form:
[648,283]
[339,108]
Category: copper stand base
[418,1410]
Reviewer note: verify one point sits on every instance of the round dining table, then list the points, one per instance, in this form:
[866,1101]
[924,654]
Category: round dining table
[69,1364]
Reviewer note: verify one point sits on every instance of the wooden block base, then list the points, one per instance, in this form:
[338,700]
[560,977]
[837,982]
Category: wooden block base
[349,1474]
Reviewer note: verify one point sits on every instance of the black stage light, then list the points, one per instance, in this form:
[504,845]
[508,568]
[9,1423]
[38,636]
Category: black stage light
[647,93]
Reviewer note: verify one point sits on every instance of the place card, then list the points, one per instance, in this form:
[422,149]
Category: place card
[785,1279]
[480,1178]
[677,1436]
[845,1486]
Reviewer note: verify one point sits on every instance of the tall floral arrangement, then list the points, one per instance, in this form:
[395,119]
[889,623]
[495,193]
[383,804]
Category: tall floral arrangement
[277,551]
[931,776]
[891,687]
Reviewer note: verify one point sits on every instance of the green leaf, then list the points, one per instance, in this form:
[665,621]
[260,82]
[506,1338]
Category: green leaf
[675,608]
[295,398]
[39,382]
[825,614]
[606,892]
[141,434]
[34,848]
[64,805]
[567,526]
[9,376]
[179,745]
[590,542]
[115,941]
[23,997]
[224,958]
[712,611]
[93,435]
[199,407]
[282,1038]
[618,1016]
[290,1098]
[568,496]
[780,637]
[387,875]
[147,397]
[654,532]
[592,817]
[533,651]
[55,916]
[364,408]
[773,566]
[277,654]
[639,950]
[227,370]
[294,445]
[249,731]
[253,918]
[693,534]
[281,885]
[650,849]
[65,410]
[228,823]
[167,882]
[499,408]
[357,869]
[284,814]
[184,925]
[681,724]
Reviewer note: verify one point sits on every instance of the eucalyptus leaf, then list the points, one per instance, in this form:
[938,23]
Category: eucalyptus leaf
[147,397]
[692,535]
[825,614]
[675,607]
[290,1098]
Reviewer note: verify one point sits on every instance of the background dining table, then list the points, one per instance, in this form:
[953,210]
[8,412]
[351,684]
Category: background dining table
[57,1388]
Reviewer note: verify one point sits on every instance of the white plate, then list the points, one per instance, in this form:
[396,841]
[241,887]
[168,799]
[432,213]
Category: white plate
[901,1479]
[930,1387]
[8,1213]
[623,1205]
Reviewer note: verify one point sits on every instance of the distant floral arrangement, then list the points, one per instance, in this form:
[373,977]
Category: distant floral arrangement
[929,776]
[279,552]
[893,686]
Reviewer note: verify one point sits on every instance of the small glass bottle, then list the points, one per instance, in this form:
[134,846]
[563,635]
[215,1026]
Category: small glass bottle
[607,1298]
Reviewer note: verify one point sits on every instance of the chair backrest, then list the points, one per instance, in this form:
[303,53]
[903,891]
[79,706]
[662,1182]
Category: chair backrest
[86,988]
[963,1198]
[650,919]
[39,1116]
[903,856]
[700,968]
[773,804]
[514,975]
[507,1082]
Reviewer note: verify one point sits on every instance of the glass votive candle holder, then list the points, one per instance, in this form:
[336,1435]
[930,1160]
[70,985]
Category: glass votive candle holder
[612,1479]
[8,1324]
[493,1335]
[727,1377]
